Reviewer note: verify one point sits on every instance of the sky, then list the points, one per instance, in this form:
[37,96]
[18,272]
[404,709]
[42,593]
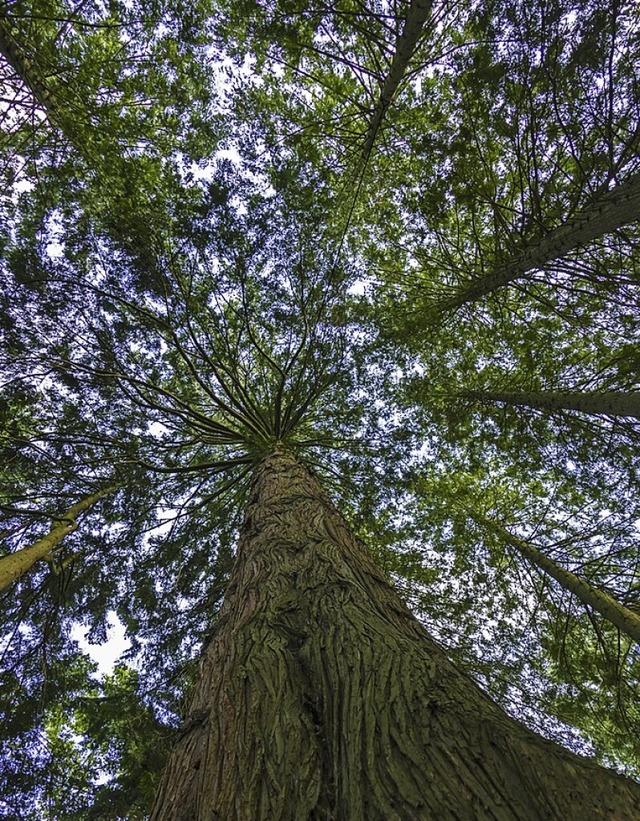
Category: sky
[105,655]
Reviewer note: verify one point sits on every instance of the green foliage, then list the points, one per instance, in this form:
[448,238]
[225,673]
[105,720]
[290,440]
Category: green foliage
[99,753]
[200,262]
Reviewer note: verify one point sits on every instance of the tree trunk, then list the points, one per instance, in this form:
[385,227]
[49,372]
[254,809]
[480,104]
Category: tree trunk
[28,71]
[417,15]
[321,697]
[16,564]
[608,403]
[51,93]
[619,206]
[620,616]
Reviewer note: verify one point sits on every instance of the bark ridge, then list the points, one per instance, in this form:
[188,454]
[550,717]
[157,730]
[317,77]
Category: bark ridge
[322,697]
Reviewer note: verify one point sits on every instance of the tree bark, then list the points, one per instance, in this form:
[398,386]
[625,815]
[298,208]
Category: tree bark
[617,207]
[606,403]
[46,92]
[417,15]
[620,616]
[16,564]
[321,697]
[28,71]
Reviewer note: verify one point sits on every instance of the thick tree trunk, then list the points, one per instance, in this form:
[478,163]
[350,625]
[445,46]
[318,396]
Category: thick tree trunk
[417,15]
[619,206]
[16,564]
[620,616]
[607,403]
[322,697]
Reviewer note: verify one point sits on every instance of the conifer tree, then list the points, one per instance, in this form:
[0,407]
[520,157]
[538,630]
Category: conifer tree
[228,235]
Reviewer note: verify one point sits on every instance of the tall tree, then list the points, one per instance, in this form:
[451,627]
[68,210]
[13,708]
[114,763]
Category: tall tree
[203,281]
[626,620]
[612,210]
[20,561]
[321,696]
[611,404]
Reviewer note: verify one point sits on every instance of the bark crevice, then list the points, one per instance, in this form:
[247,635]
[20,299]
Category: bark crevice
[328,700]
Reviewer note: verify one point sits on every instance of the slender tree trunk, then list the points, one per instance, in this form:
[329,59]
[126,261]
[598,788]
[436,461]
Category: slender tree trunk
[322,697]
[27,70]
[417,15]
[608,403]
[46,91]
[617,207]
[620,616]
[18,563]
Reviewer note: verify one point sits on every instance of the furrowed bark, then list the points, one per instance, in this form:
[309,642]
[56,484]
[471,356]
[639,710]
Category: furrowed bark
[417,16]
[620,616]
[321,697]
[16,564]
[616,208]
[606,403]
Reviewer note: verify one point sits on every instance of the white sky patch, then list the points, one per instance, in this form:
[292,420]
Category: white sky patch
[239,206]
[168,518]
[107,654]
[55,250]
[197,172]
[157,430]
[229,154]
[424,452]
[23,185]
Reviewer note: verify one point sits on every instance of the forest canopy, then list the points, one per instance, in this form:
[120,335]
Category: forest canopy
[399,240]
